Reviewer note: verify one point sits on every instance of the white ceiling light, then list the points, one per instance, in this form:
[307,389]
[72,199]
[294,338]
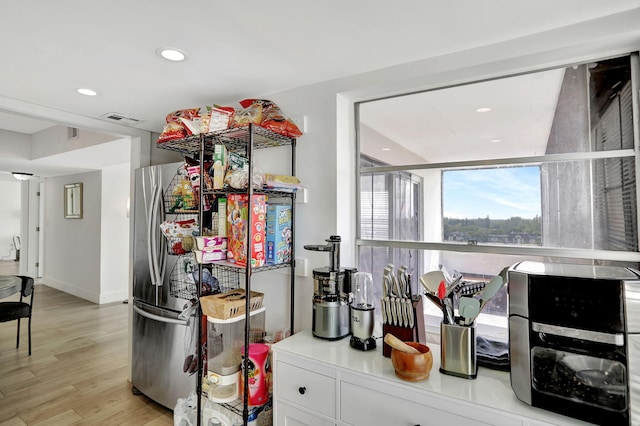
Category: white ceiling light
[483,109]
[496,140]
[22,175]
[87,92]
[171,54]
[386,149]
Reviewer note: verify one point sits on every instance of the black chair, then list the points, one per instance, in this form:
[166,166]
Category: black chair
[10,311]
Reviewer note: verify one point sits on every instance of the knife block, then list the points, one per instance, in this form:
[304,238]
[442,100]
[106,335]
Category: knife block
[407,334]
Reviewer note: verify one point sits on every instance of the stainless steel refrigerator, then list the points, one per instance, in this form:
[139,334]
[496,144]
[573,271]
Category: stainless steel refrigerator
[164,322]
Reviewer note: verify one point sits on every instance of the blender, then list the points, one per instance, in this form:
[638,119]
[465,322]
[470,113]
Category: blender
[331,287]
[362,312]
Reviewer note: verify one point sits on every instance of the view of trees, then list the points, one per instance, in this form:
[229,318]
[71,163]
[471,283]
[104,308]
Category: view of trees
[515,230]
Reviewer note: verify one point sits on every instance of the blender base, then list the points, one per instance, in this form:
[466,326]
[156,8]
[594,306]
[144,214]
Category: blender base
[363,345]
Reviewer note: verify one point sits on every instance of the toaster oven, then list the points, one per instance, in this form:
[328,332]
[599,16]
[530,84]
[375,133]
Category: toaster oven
[574,340]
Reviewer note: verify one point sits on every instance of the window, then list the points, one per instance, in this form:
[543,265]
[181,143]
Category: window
[390,208]
[538,166]
[497,205]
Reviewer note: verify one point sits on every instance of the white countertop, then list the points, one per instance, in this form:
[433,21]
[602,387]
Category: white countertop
[491,388]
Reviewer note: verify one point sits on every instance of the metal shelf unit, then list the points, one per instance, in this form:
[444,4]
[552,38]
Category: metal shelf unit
[242,140]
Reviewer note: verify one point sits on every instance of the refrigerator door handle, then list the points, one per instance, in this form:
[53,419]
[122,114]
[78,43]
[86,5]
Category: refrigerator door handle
[154,216]
[149,211]
[158,317]
[160,245]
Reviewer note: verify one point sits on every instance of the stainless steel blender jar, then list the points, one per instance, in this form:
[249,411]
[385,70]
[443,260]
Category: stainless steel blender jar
[362,312]
[331,288]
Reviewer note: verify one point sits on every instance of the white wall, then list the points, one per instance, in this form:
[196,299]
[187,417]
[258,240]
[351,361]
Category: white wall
[114,234]
[15,145]
[72,246]
[56,140]
[326,153]
[9,217]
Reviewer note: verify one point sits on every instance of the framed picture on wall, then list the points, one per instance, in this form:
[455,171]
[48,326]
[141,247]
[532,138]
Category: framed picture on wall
[73,201]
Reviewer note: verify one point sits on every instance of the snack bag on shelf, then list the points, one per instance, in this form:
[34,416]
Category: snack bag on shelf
[172,131]
[191,127]
[252,113]
[239,179]
[219,167]
[179,235]
[282,182]
[220,117]
[273,118]
[216,118]
[194,177]
[190,162]
[175,127]
[193,169]
[182,196]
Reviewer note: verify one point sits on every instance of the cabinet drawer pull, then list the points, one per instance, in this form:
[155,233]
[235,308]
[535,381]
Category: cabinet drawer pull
[302,390]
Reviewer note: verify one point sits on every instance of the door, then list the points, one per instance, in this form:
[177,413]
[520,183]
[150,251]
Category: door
[163,352]
[40,230]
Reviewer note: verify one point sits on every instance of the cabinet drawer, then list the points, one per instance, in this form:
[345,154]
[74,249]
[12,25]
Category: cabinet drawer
[291,416]
[361,406]
[306,388]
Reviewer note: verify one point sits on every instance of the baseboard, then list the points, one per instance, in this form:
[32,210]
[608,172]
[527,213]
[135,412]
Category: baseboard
[114,296]
[73,290]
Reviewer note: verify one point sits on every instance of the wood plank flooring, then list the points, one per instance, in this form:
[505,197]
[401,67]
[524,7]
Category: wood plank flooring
[77,373]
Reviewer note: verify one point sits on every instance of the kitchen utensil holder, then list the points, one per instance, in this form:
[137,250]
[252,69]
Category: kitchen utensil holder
[408,334]
[458,350]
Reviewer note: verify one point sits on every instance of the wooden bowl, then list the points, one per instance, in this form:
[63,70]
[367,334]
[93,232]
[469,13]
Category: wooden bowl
[412,367]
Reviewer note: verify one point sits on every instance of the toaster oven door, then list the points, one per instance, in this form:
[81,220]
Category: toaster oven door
[585,379]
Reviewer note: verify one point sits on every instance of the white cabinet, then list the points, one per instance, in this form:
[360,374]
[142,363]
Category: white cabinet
[289,415]
[306,388]
[319,382]
[361,406]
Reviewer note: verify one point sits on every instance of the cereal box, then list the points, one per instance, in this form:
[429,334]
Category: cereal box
[238,210]
[278,233]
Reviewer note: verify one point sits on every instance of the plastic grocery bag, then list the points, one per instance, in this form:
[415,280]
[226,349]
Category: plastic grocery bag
[185,412]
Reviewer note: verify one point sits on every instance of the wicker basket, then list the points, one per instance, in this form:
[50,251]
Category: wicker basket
[230,304]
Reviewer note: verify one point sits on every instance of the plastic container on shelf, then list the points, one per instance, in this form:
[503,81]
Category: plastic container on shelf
[225,340]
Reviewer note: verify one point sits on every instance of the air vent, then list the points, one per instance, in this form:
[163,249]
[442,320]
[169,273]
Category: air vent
[119,118]
[73,133]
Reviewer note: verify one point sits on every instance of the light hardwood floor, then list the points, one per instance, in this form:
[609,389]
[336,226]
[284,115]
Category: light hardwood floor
[77,373]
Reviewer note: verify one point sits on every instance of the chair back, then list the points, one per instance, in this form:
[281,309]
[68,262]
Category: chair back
[27,286]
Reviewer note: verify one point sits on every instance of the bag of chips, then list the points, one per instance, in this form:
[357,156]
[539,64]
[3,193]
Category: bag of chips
[273,118]
[176,128]
[251,114]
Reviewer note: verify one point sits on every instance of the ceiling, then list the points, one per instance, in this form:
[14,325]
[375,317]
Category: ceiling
[236,49]
[445,125]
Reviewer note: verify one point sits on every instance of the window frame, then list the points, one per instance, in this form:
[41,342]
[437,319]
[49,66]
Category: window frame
[567,253]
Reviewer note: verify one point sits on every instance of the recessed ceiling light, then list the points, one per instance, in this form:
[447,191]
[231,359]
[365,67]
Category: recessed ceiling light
[483,109]
[87,92]
[496,140]
[171,54]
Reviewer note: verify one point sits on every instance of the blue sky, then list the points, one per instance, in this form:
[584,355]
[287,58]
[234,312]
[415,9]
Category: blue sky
[499,193]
